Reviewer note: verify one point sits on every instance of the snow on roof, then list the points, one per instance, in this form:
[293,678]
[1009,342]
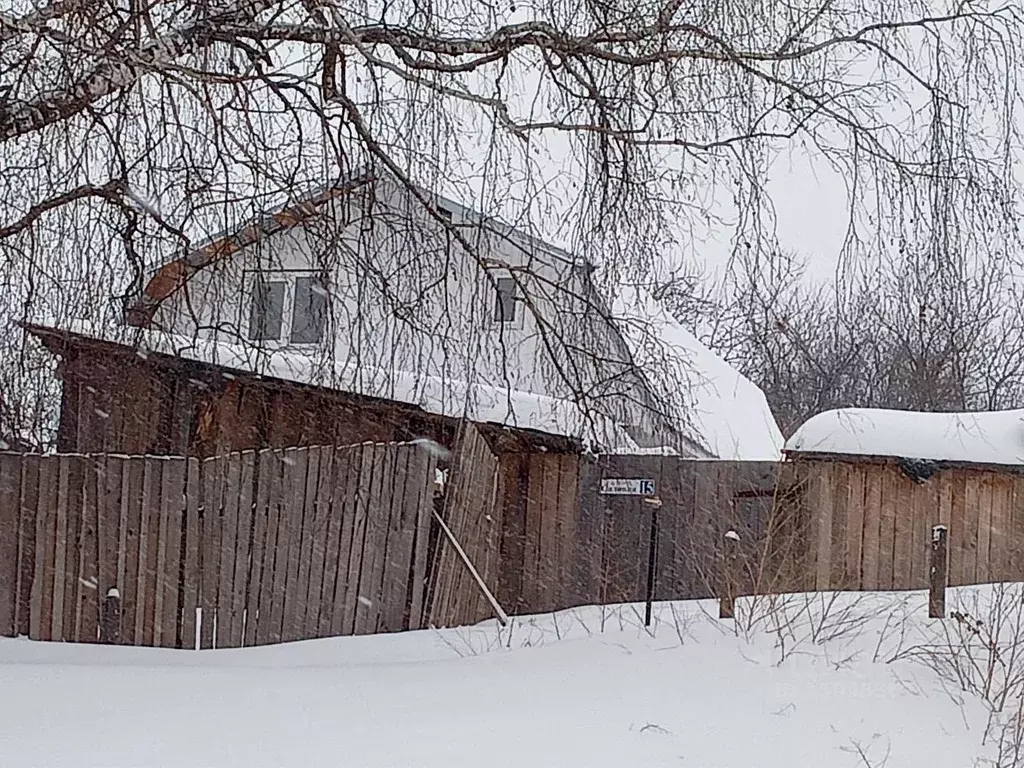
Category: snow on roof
[441,396]
[995,437]
[724,411]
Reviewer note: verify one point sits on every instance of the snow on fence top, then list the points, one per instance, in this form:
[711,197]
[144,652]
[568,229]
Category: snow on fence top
[975,438]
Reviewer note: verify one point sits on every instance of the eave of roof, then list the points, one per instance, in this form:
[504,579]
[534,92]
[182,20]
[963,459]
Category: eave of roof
[59,341]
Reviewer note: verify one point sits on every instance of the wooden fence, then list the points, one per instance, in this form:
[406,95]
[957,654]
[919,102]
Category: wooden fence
[246,549]
[280,545]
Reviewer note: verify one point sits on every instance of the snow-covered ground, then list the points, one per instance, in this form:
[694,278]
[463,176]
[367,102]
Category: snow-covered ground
[801,681]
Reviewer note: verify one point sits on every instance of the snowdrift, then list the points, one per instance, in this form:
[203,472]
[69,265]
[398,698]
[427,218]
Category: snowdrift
[834,680]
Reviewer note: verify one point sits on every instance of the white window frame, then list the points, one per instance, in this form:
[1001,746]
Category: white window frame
[289,277]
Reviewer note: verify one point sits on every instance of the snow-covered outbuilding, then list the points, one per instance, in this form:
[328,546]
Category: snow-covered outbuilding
[868,486]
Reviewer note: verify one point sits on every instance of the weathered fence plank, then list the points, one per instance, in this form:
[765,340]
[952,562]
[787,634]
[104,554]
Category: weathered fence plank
[131,515]
[87,608]
[10,525]
[213,484]
[29,502]
[243,549]
[271,467]
[191,574]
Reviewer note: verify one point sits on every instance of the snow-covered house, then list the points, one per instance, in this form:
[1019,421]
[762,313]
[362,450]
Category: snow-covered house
[404,300]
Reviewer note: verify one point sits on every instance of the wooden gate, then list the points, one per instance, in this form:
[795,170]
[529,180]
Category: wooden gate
[474,518]
[231,551]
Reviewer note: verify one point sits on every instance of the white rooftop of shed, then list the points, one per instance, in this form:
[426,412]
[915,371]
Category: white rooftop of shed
[993,437]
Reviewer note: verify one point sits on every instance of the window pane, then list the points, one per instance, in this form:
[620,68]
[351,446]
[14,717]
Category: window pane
[505,300]
[267,311]
[310,313]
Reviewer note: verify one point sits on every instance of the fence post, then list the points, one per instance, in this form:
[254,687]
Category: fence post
[938,574]
[652,556]
[110,621]
[727,601]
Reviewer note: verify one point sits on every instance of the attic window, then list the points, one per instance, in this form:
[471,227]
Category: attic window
[288,306]
[309,315]
[505,300]
[266,315]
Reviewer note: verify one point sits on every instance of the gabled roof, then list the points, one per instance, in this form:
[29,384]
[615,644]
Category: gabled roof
[174,274]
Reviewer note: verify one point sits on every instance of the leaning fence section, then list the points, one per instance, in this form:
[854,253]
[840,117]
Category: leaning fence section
[244,549]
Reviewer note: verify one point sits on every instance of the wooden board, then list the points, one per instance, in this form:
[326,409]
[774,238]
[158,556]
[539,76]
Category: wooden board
[321,498]
[294,472]
[266,467]
[243,549]
[371,567]
[927,502]
[27,522]
[309,534]
[855,503]
[903,512]
[401,529]
[839,497]
[168,632]
[1016,554]
[87,607]
[10,527]
[191,572]
[145,590]
[109,525]
[677,577]
[999,542]
[421,566]
[296,490]
[822,506]
[390,530]
[982,572]
[533,573]
[58,585]
[226,618]
[272,474]
[872,539]
[332,495]
[345,504]
[131,516]
[213,471]
[963,531]
[359,481]
[46,520]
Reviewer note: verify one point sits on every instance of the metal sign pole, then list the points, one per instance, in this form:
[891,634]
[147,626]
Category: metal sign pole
[652,556]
